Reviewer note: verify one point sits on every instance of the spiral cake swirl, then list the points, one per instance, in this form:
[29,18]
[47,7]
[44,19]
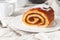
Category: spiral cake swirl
[38,17]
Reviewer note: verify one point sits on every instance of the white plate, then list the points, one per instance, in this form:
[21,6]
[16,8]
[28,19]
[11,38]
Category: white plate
[17,24]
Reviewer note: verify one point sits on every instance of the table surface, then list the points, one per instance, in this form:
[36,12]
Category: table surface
[8,34]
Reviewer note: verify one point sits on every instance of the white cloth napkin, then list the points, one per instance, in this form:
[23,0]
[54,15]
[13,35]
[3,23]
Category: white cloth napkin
[50,36]
[7,34]
[54,35]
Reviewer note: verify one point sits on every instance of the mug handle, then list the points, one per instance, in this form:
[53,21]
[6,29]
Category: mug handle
[11,8]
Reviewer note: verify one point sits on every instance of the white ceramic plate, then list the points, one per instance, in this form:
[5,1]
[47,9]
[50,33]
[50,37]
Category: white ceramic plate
[17,24]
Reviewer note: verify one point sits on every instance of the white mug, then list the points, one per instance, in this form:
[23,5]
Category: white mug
[6,9]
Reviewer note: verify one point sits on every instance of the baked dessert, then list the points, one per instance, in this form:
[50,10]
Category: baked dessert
[38,17]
